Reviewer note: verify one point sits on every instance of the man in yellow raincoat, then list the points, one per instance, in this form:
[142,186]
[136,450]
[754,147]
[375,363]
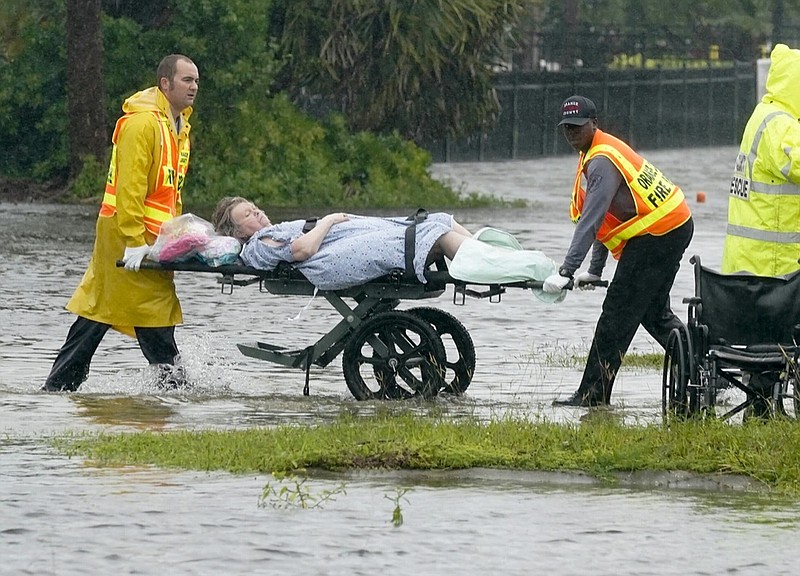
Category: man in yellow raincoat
[763,235]
[149,159]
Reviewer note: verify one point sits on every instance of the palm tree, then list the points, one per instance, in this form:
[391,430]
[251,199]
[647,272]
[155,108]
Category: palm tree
[419,67]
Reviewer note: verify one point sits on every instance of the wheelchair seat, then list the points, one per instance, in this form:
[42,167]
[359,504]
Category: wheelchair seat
[739,325]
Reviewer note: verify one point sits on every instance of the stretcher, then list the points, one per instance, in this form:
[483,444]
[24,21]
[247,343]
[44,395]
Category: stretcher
[386,353]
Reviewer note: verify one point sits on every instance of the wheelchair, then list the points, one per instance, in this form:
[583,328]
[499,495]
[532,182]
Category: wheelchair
[742,334]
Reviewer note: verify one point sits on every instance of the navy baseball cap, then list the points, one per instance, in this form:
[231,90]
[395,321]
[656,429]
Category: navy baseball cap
[577,110]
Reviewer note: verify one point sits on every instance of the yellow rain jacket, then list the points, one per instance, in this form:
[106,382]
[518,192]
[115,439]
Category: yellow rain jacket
[763,234]
[113,295]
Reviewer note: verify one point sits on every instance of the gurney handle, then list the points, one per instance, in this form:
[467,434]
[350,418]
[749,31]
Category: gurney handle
[596,283]
[198,267]
[538,284]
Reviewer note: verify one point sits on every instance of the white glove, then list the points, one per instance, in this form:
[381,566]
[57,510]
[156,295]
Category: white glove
[584,279]
[133,257]
[555,283]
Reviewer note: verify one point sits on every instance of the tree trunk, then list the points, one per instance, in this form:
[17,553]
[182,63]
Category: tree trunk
[778,16]
[571,22]
[85,84]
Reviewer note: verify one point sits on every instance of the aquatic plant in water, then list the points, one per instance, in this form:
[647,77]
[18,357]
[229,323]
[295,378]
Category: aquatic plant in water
[291,492]
[397,512]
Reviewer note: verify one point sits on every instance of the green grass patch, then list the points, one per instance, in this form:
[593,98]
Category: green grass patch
[765,451]
[644,360]
[574,356]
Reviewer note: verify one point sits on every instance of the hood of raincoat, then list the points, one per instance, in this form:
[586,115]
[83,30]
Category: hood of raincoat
[150,100]
[783,79]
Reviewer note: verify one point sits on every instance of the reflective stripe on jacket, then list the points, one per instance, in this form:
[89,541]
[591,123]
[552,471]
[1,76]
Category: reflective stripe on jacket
[660,204]
[763,233]
[160,205]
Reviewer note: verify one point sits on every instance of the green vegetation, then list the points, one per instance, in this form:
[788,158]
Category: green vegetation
[600,446]
[646,360]
[272,71]
[397,511]
[575,357]
[422,69]
[290,491]
[251,134]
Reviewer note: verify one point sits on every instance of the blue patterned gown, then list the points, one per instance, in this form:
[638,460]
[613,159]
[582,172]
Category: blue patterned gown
[353,252]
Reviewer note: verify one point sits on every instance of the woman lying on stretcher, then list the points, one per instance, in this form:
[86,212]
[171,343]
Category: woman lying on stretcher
[344,250]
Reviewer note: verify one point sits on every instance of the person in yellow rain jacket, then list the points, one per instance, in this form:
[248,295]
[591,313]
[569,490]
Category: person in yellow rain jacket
[149,159]
[763,234]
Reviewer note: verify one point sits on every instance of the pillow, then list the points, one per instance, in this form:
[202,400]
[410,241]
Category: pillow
[220,250]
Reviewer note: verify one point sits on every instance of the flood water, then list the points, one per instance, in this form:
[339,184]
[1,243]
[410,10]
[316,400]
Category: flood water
[64,516]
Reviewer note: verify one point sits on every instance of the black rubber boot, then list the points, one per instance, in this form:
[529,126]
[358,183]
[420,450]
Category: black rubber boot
[584,399]
[171,377]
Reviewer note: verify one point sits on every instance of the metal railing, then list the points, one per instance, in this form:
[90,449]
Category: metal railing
[650,109]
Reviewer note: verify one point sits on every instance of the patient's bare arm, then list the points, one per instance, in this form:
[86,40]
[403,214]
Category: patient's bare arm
[449,243]
[460,229]
[308,244]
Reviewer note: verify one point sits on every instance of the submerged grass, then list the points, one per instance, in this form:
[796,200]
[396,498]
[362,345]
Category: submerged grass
[571,356]
[765,451]
[648,360]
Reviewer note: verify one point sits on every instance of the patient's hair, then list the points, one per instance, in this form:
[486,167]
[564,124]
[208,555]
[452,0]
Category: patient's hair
[221,218]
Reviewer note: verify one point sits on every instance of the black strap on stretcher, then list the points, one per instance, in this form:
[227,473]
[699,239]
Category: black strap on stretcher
[309,225]
[309,353]
[411,240]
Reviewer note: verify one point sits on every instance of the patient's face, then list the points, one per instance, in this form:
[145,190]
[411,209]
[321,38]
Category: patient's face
[249,219]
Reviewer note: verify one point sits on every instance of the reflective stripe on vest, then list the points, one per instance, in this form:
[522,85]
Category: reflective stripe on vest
[160,205]
[660,204]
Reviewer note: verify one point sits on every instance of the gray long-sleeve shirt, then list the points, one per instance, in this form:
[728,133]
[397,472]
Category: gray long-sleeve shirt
[606,191]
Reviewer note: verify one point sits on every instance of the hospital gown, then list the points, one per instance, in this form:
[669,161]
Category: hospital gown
[353,252]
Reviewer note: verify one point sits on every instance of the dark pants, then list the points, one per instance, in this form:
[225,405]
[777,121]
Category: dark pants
[638,295]
[71,366]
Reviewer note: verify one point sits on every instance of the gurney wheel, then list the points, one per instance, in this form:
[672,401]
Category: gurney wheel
[394,355]
[459,349]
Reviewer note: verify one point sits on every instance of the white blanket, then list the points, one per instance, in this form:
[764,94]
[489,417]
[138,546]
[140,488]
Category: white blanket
[484,263]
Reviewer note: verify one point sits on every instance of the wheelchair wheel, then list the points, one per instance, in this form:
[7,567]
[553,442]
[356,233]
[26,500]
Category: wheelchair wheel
[791,391]
[394,355]
[796,398]
[459,349]
[794,384]
[678,398]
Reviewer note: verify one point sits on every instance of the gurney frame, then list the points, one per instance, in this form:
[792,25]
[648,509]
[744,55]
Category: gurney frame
[387,353]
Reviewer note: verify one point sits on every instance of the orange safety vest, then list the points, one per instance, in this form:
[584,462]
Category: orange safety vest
[160,205]
[660,204]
